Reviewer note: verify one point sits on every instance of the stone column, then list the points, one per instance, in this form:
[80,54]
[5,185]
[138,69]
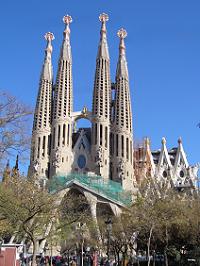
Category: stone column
[115,209]
[92,200]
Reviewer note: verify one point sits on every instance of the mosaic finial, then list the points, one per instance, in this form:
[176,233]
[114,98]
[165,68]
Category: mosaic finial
[49,36]
[122,33]
[103,17]
[67,19]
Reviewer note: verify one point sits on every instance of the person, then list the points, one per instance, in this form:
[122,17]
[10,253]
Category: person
[73,263]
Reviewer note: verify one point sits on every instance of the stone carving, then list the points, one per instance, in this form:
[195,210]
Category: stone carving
[36,166]
[122,34]
[121,170]
[49,36]
[67,19]
[57,158]
[99,157]
[103,17]
[84,111]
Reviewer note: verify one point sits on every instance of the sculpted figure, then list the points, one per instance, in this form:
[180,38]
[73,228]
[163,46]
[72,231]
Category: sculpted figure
[36,166]
[57,158]
[99,157]
[121,169]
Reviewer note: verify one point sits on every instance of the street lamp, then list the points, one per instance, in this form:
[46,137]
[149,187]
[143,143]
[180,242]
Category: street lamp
[108,223]
[81,229]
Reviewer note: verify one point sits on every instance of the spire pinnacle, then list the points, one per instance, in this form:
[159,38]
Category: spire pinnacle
[67,20]
[163,141]
[66,48]
[47,66]
[49,37]
[179,140]
[122,69]
[103,46]
[122,34]
[103,18]
[16,167]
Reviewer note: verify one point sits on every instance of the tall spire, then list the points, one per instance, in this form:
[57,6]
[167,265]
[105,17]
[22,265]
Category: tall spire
[122,69]
[42,116]
[63,107]
[63,97]
[16,167]
[15,170]
[121,133]
[103,46]
[101,105]
[122,106]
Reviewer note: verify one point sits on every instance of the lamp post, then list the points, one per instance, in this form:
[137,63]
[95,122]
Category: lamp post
[108,223]
[81,230]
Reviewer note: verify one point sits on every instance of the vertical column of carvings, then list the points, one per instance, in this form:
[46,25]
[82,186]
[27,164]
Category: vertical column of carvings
[40,149]
[101,105]
[122,159]
[62,108]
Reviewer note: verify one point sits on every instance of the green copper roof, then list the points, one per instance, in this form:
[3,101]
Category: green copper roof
[107,188]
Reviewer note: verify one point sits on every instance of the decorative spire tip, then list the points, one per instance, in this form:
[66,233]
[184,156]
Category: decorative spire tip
[49,36]
[67,19]
[179,140]
[163,140]
[122,33]
[147,141]
[103,17]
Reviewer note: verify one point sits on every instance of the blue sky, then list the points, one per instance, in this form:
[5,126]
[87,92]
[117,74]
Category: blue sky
[163,53]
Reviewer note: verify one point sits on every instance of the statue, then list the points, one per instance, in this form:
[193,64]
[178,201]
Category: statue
[121,170]
[36,166]
[57,158]
[99,157]
[84,111]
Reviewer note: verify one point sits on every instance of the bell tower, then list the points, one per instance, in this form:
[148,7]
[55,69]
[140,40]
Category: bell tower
[122,131]
[41,133]
[101,105]
[61,144]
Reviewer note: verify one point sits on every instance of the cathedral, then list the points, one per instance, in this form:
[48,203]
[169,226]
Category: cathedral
[107,149]
[103,163]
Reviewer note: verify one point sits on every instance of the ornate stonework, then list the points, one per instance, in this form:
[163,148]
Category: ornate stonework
[106,148]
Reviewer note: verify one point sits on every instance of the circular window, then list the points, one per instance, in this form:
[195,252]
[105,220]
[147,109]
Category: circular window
[81,161]
[182,173]
[164,173]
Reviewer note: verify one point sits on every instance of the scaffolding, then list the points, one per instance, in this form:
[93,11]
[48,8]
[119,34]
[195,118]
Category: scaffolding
[104,187]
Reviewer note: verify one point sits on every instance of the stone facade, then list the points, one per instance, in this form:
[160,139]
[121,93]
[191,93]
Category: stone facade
[105,149]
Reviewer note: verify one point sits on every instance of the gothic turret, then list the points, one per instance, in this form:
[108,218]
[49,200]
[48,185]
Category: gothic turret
[122,134]
[101,105]
[61,146]
[39,162]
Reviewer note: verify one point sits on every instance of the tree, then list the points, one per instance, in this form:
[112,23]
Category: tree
[14,136]
[160,214]
[27,209]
